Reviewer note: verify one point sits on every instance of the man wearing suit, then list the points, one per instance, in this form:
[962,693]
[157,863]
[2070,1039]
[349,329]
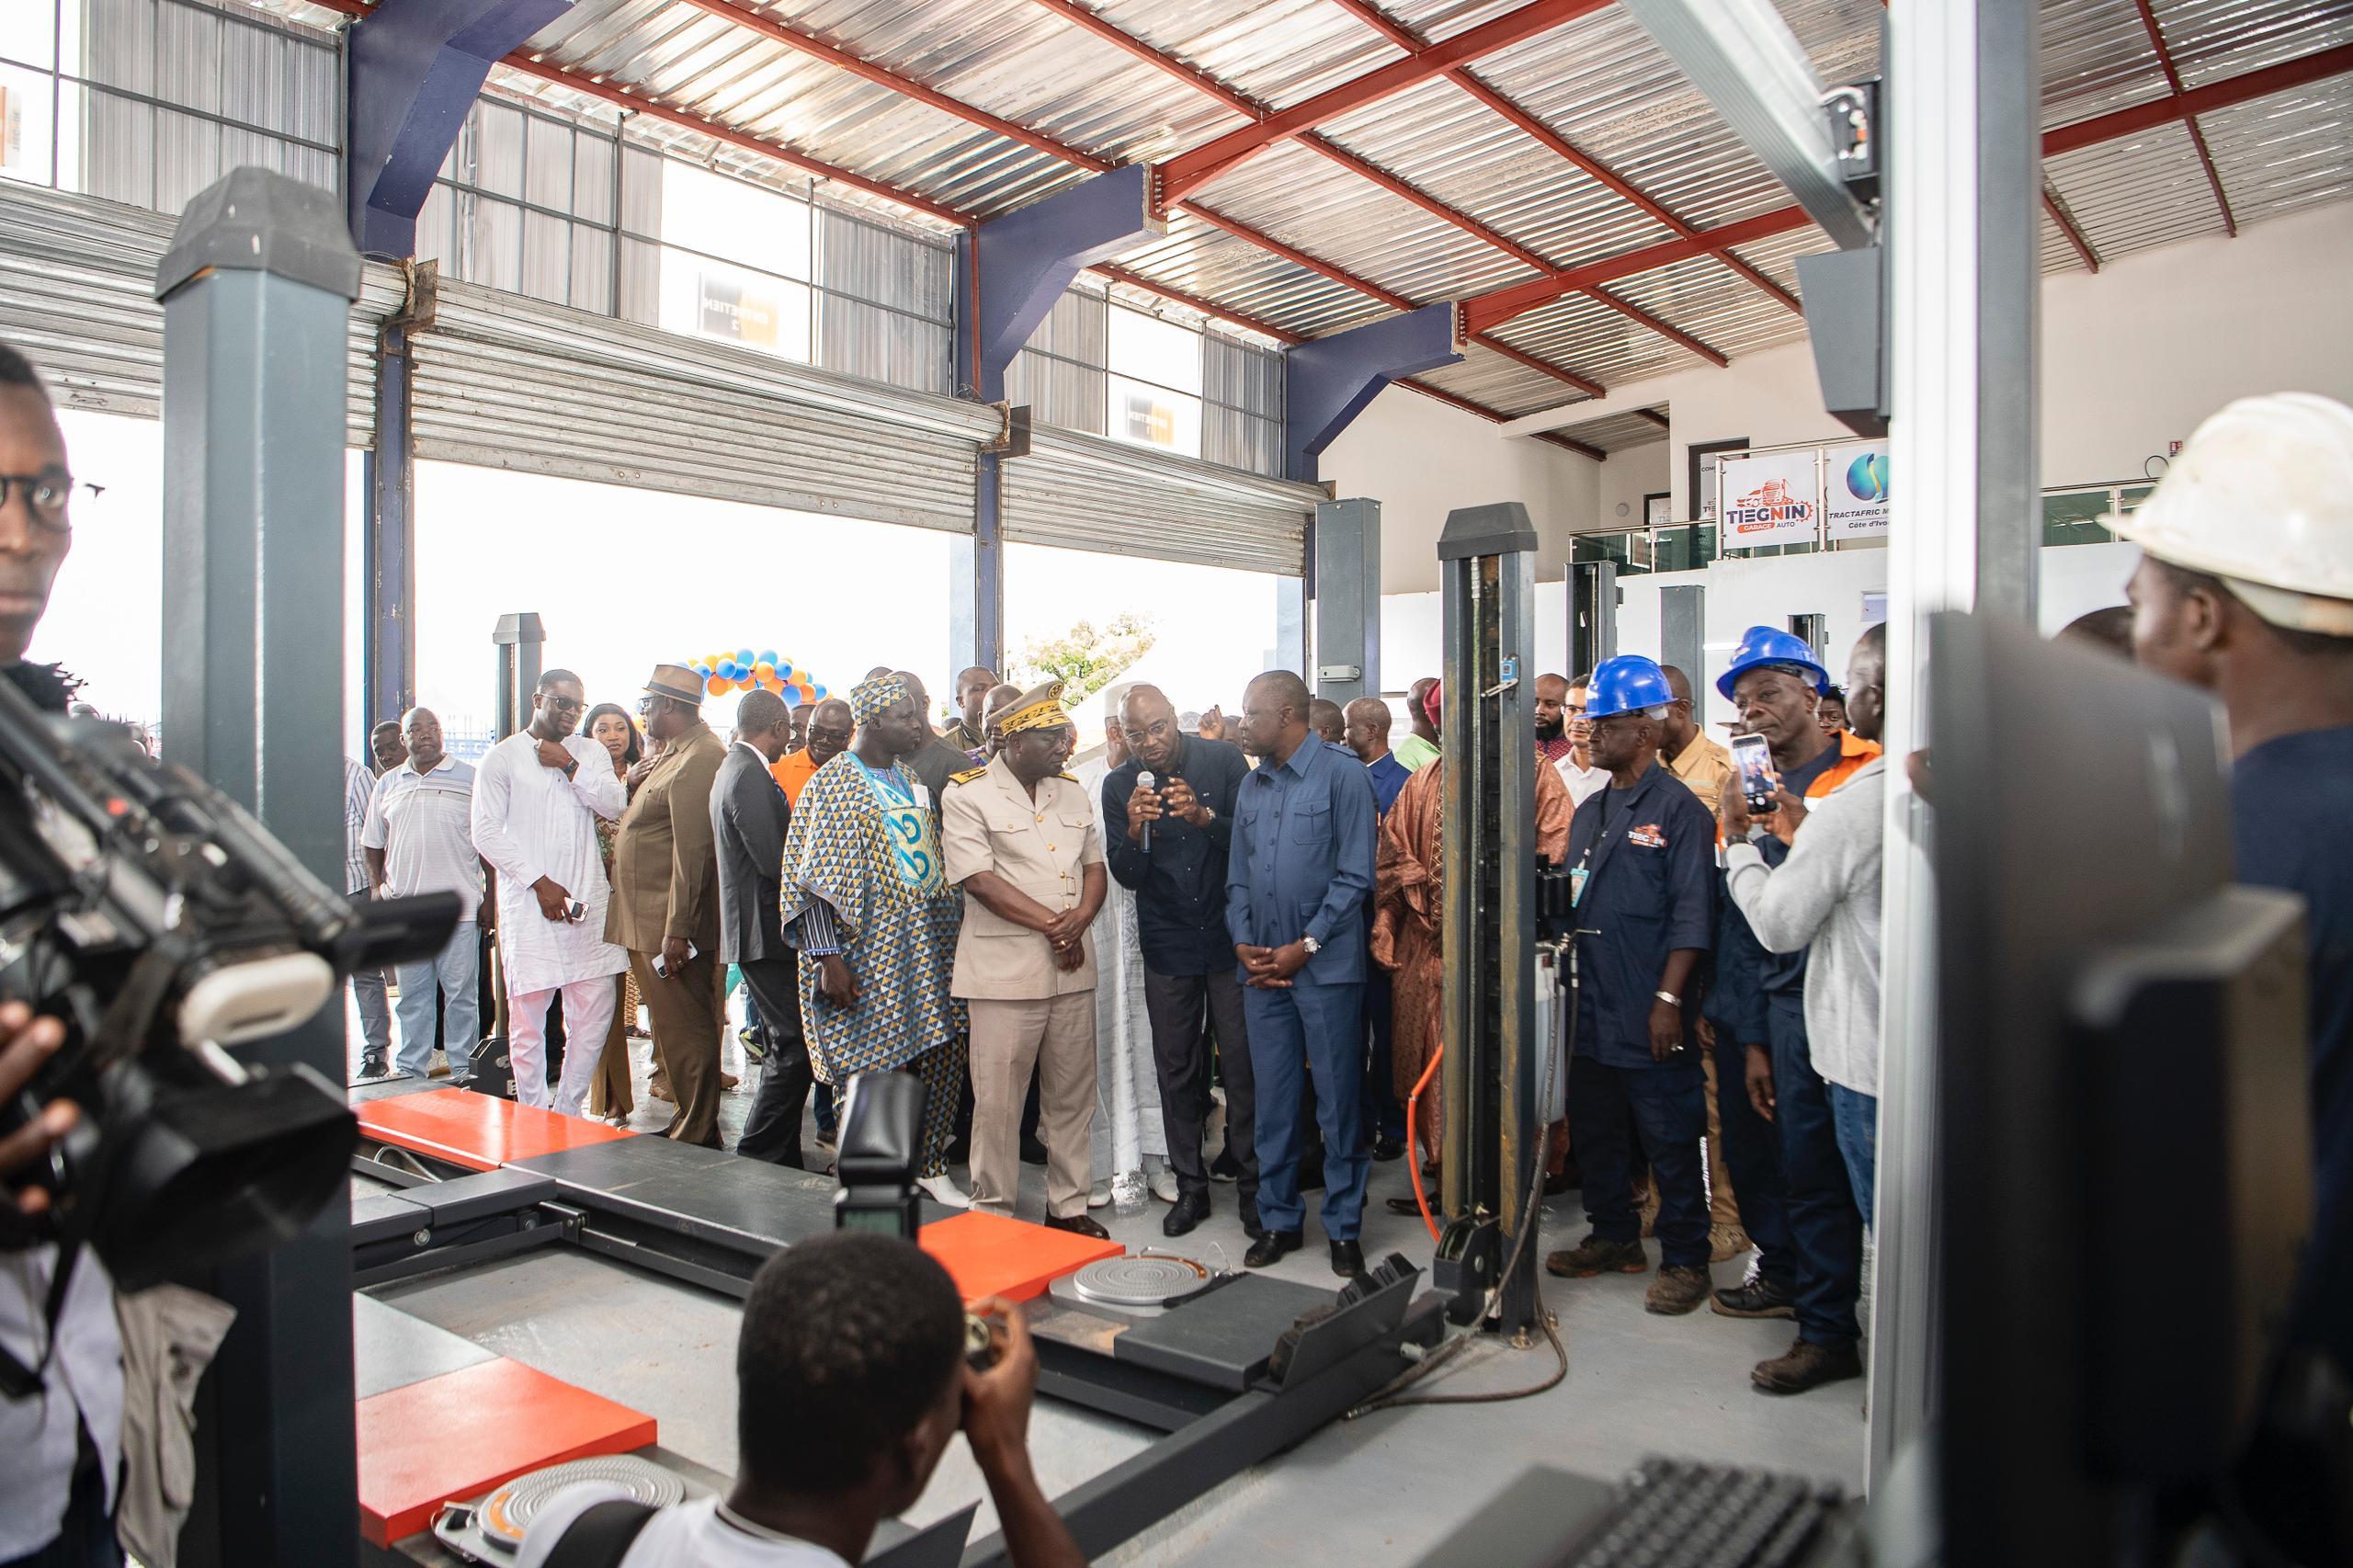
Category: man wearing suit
[748,818]
[666,899]
[1298,882]
[1019,839]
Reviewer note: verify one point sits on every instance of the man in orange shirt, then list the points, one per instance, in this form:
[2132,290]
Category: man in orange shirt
[829,731]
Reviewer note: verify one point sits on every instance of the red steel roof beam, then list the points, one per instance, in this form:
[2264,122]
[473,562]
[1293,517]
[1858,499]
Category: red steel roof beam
[1135,279]
[653,109]
[1486,311]
[1128,43]
[2197,137]
[1188,171]
[1371,15]
[1495,416]
[1554,438]
[1544,366]
[1667,330]
[2068,230]
[1655,417]
[1453,216]
[907,86]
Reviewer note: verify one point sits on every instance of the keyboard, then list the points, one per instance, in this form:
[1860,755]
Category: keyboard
[1673,1514]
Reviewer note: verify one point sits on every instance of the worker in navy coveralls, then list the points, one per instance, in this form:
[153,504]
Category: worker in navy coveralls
[1643,861]
[1299,886]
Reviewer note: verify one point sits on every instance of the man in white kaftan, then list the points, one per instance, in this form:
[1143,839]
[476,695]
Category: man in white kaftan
[1129,1140]
[537,798]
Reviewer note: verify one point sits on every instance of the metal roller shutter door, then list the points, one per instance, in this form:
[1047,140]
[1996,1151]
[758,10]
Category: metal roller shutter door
[509,382]
[77,297]
[1085,492]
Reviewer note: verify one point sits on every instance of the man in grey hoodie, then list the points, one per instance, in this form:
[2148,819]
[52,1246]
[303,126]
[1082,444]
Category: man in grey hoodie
[1825,897]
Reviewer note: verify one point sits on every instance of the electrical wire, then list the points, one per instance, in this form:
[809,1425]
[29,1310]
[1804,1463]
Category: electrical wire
[1414,1138]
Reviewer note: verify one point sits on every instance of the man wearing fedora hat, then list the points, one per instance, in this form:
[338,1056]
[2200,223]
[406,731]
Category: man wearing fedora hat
[665,906]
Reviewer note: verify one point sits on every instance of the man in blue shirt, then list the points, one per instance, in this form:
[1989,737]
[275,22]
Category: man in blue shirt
[1366,735]
[2245,587]
[1642,862]
[1299,882]
[1178,876]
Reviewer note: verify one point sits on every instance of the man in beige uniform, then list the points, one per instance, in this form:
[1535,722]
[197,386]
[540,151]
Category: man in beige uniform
[666,899]
[1019,838]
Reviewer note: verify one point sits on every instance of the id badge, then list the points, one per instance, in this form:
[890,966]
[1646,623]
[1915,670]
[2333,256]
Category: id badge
[1577,875]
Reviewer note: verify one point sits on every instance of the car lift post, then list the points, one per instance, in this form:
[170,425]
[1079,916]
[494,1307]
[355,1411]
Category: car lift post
[1491,1139]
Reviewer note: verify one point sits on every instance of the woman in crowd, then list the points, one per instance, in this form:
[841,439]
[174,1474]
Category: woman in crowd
[609,1095]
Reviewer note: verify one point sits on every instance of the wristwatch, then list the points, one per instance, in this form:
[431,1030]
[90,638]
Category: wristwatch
[1311,944]
[1669,997]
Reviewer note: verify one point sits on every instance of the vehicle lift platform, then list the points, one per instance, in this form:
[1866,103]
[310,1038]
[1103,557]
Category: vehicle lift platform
[1233,1374]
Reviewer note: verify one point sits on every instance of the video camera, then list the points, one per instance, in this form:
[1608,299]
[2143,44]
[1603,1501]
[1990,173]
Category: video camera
[162,924]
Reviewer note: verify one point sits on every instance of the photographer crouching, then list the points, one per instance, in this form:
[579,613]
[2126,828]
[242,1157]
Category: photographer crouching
[60,1352]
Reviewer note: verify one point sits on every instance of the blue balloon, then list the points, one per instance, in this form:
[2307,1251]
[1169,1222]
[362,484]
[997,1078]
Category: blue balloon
[818,690]
[791,698]
[744,657]
[732,670]
[768,656]
[783,669]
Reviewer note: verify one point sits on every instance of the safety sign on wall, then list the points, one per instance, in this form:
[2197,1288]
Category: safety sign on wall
[1772,499]
[1856,479]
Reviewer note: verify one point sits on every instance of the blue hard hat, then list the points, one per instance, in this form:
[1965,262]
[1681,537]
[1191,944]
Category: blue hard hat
[1763,645]
[1627,684]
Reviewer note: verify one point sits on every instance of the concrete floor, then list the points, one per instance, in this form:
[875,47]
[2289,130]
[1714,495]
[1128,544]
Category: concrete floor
[1383,1489]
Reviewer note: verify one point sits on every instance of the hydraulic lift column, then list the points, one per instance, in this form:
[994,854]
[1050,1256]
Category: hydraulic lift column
[1492,1139]
[257,291]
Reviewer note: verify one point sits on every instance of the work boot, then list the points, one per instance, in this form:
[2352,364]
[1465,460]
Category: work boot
[1270,1246]
[1755,1297]
[1726,1243]
[1679,1289]
[1805,1365]
[1593,1255]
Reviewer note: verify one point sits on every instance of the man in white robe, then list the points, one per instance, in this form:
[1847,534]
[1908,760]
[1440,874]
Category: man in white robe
[1129,1140]
[537,798]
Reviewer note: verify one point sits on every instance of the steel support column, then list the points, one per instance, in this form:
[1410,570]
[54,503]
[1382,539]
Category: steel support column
[388,539]
[1327,381]
[416,67]
[1963,183]
[257,290]
[1347,600]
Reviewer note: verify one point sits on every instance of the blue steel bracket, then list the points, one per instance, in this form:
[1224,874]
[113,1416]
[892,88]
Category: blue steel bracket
[1031,254]
[1327,381]
[417,68]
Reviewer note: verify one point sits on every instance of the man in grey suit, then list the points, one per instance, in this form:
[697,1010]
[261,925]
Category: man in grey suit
[748,817]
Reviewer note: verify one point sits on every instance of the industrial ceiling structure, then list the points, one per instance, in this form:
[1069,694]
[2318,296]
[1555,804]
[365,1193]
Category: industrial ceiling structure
[1322,163]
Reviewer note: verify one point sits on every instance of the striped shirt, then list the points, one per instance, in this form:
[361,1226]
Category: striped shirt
[358,785]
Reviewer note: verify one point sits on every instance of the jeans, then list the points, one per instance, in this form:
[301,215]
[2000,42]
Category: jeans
[375,1015]
[1317,1028]
[1663,1111]
[452,971]
[1820,1200]
[1752,1152]
[1855,1117]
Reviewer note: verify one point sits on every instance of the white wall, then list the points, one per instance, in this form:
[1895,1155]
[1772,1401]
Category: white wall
[2132,357]
[1626,478]
[1421,460]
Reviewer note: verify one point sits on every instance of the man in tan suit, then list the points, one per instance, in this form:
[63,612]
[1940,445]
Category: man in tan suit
[1019,838]
[665,906]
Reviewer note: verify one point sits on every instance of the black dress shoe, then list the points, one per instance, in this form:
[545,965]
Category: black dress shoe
[374,1067]
[1077,1225]
[1385,1149]
[1250,1226]
[1033,1152]
[1412,1210]
[1190,1209]
[1270,1246]
[1347,1260]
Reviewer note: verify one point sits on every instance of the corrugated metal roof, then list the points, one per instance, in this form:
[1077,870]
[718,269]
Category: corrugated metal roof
[1618,432]
[1598,81]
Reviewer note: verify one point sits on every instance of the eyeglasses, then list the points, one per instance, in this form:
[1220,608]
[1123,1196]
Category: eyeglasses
[48,494]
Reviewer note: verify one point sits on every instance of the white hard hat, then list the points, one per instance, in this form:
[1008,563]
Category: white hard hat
[2262,497]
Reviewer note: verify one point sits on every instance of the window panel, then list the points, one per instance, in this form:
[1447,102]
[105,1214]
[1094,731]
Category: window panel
[1150,415]
[703,297]
[1147,348]
[735,221]
[27,104]
[547,171]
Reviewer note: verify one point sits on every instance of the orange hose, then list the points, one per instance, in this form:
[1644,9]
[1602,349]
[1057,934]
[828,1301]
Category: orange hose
[1413,1136]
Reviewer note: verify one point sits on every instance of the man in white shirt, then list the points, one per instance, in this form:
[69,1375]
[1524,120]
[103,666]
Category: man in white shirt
[537,798]
[1575,764]
[419,838]
[850,1380]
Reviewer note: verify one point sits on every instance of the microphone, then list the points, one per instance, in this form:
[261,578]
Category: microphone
[1145,780]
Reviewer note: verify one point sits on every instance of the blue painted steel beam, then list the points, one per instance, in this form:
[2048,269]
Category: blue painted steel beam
[1030,256]
[416,67]
[1327,381]
[388,568]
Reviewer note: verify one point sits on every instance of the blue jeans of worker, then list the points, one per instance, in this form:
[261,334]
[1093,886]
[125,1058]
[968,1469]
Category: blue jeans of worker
[1752,1152]
[1384,1117]
[1664,1107]
[1826,1230]
[375,1014]
[1317,1028]
[452,971]
[1855,1116]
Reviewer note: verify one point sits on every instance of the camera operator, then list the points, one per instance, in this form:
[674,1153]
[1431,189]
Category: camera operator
[850,1380]
[63,1439]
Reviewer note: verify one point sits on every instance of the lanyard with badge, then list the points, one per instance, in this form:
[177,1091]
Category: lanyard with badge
[1581,873]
